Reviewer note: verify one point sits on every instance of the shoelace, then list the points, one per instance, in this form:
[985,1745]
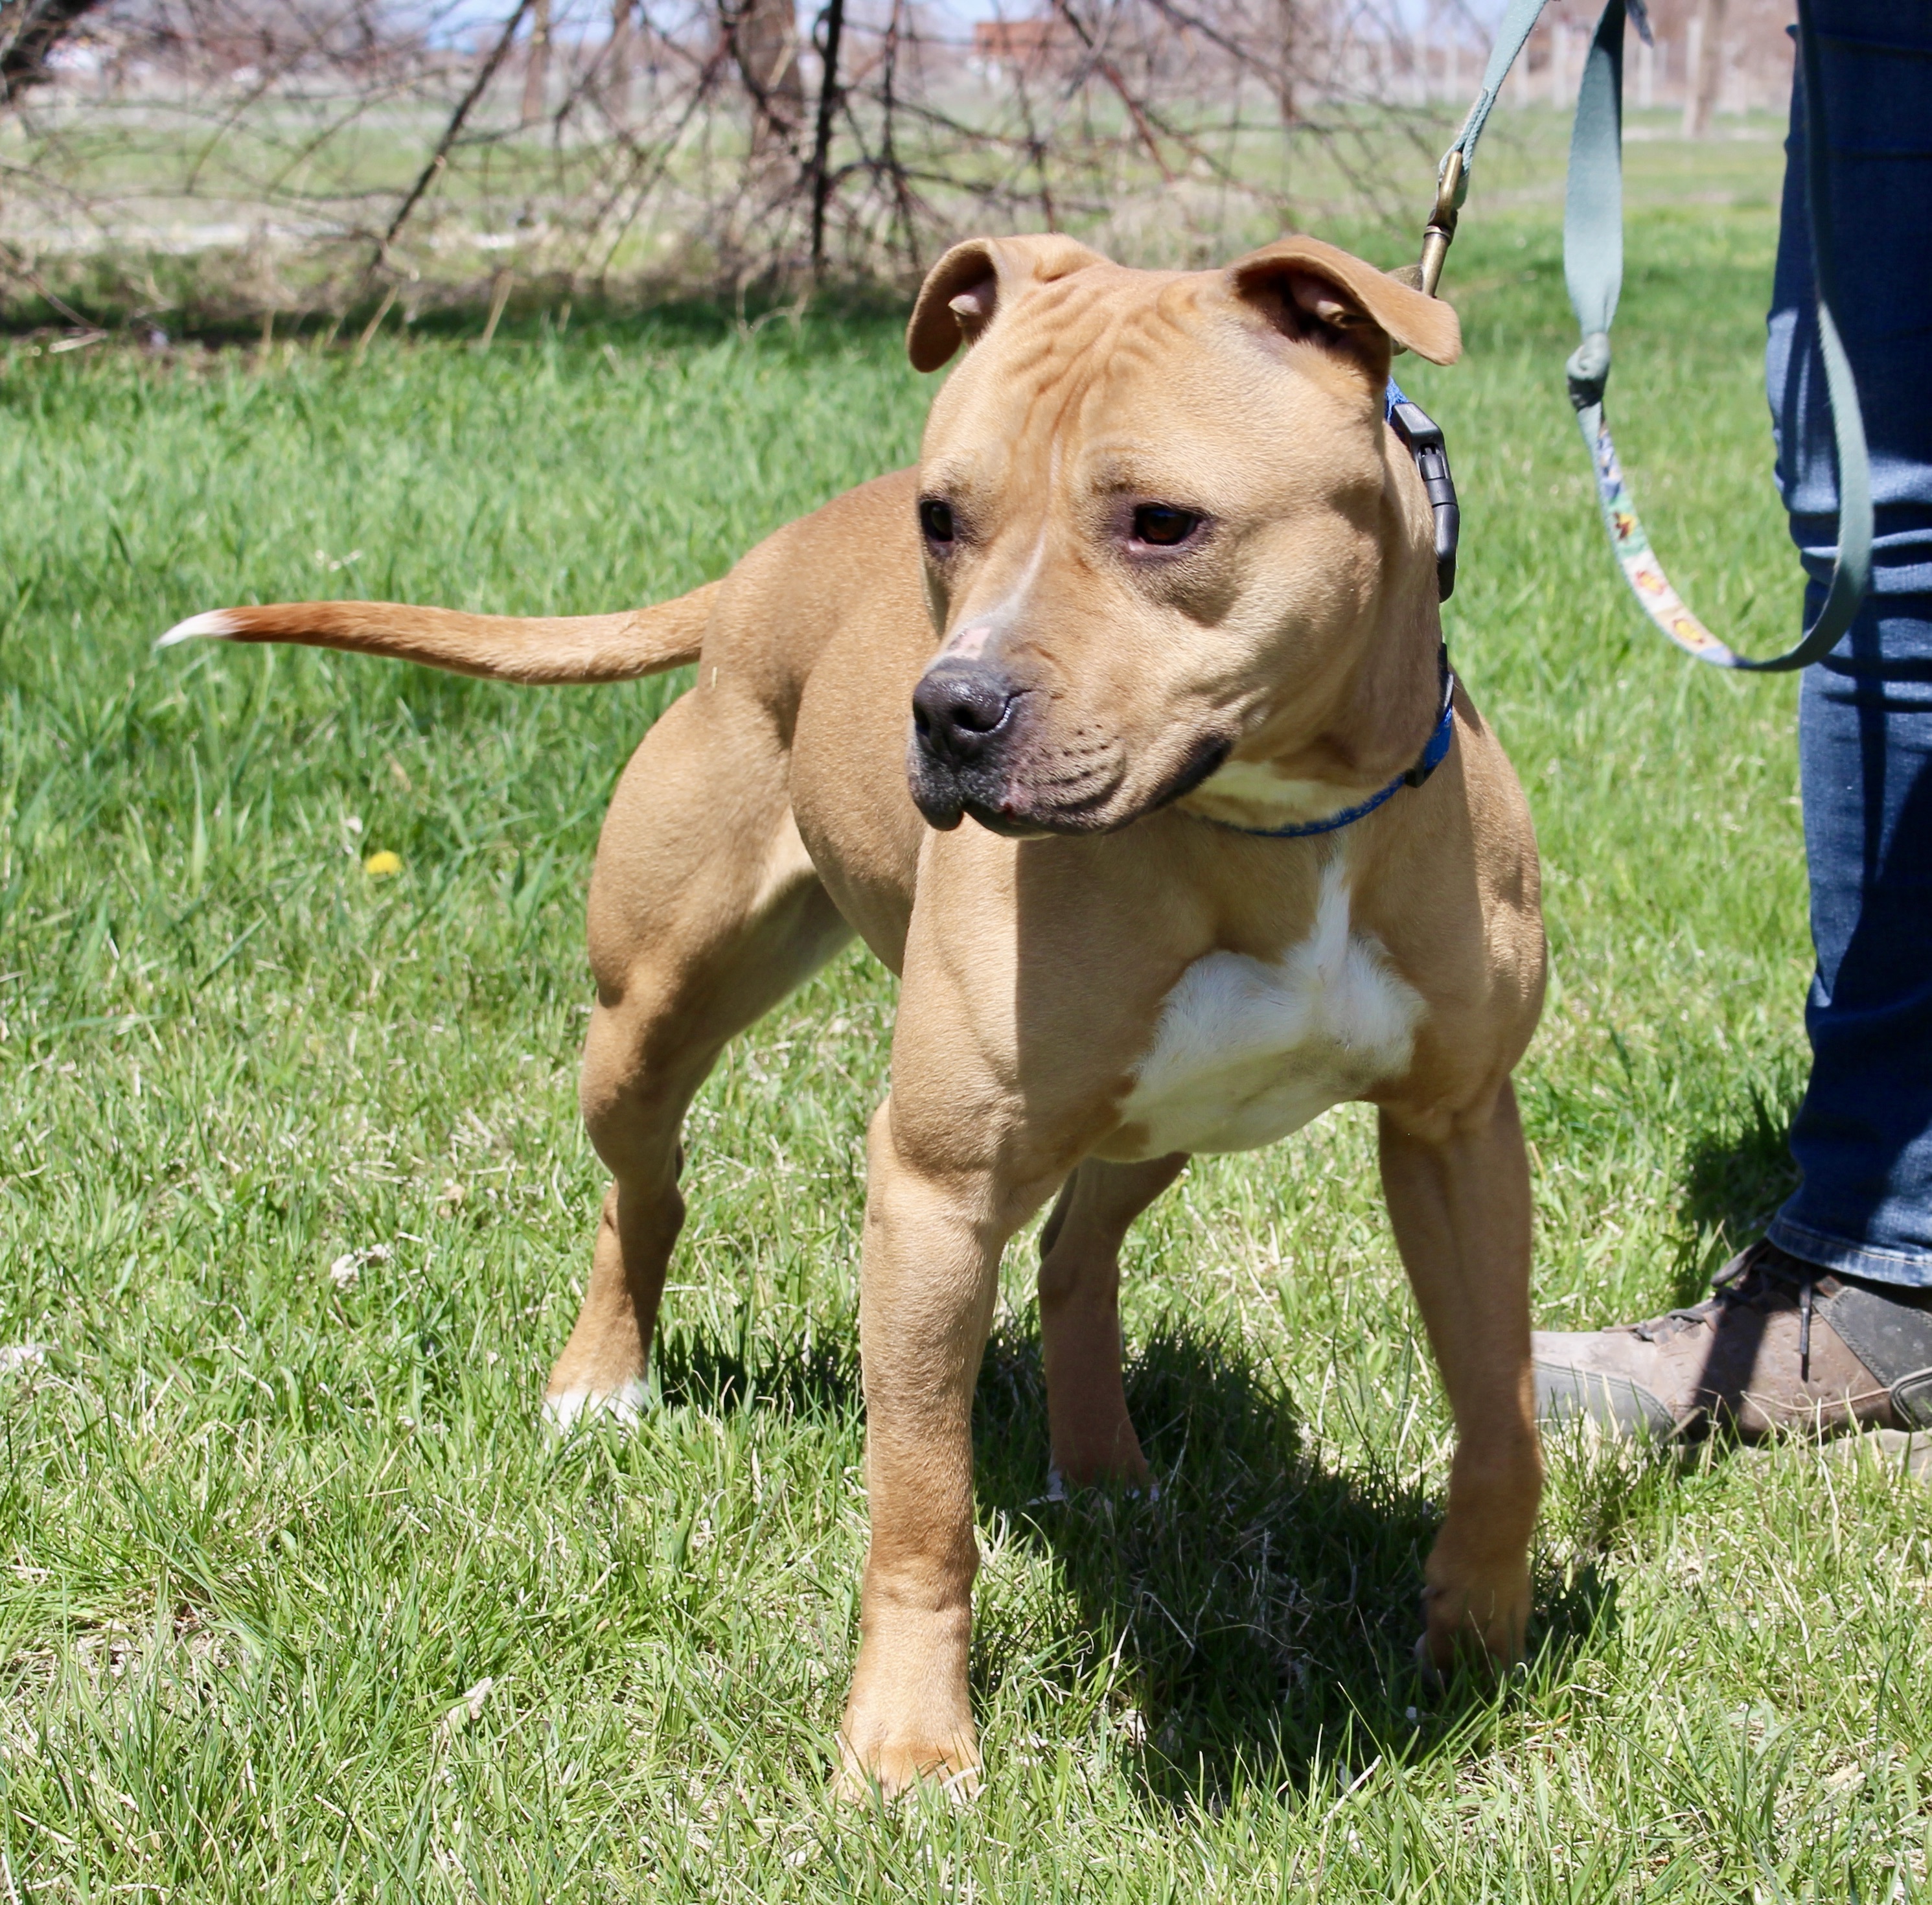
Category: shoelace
[1732,1285]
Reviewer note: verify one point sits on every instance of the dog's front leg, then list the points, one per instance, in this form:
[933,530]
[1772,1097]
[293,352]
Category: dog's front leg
[1458,1190]
[929,1278]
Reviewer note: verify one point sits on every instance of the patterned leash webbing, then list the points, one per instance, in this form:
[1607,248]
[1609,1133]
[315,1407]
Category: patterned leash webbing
[1644,572]
[1593,271]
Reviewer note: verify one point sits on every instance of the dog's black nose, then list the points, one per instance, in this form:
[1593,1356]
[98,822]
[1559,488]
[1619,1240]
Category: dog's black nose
[957,707]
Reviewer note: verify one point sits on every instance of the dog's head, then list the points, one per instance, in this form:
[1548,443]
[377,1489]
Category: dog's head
[1165,528]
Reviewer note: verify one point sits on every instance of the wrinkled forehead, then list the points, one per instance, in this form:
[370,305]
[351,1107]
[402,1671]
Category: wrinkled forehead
[1110,354]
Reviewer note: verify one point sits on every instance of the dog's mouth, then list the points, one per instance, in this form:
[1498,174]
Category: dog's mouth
[1010,812]
[1081,805]
[1205,758]
[1014,826]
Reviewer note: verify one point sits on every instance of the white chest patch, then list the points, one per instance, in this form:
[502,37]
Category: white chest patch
[1248,1050]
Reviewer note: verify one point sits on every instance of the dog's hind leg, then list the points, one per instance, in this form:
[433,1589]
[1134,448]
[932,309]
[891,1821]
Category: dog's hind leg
[705,910]
[1094,1438]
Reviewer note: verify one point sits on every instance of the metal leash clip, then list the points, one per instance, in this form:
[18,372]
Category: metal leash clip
[1452,188]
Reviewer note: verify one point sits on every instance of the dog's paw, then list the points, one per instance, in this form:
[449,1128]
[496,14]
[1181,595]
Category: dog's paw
[892,1770]
[573,1407]
[1137,1487]
[1480,1626]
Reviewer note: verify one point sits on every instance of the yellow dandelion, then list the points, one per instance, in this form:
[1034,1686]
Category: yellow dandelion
[384,865]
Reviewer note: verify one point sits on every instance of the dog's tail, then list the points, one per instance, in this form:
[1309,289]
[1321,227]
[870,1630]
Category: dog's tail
[536,649]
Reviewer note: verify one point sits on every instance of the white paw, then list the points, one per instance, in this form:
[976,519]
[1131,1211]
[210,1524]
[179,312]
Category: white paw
[624,1404]
[1058,1489]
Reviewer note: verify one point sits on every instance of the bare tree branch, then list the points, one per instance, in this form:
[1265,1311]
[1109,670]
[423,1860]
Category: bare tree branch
[834,21]
[34,29]
[243,156]
[451,133]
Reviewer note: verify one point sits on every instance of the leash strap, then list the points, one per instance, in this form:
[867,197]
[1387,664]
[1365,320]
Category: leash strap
[1512,33]
[1452,175]
[1593,261]
[1593,264]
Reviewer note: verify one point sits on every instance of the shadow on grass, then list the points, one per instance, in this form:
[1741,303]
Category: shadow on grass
[1267,1607]
[816,1376]
[1733,1183]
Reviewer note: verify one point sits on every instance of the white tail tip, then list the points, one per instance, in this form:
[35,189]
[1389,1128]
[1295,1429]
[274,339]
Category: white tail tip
[216,622]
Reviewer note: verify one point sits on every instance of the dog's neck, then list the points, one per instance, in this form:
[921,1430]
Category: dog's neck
[1354,725]
[1315,761]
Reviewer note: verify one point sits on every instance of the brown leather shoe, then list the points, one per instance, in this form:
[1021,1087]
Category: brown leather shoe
[1779,1344]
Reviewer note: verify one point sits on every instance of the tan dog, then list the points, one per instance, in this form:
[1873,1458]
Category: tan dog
[1182,576]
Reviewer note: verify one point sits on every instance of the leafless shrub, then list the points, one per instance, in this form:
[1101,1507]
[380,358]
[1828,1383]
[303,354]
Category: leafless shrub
[258,157]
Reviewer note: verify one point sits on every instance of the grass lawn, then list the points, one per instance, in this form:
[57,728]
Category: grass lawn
[296,1601]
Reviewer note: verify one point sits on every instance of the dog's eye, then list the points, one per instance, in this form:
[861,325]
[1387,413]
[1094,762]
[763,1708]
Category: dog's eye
[935,518]
[1162,526]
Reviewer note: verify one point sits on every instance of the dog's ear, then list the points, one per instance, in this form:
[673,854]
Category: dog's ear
[1311,289]
[964,290]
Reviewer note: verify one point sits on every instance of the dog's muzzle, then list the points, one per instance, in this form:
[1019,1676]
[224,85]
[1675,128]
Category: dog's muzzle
[980,746]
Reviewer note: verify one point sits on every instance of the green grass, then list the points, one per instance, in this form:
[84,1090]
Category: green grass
[260,1536]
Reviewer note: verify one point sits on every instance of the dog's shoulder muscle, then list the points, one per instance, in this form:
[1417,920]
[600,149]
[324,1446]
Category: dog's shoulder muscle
[789,598]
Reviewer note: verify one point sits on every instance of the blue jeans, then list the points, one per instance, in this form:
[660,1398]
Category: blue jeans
[1863,1135]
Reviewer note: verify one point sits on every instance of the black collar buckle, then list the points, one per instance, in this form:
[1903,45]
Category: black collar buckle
[1423,437]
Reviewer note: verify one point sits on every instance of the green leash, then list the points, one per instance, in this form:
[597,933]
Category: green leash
[1593,263]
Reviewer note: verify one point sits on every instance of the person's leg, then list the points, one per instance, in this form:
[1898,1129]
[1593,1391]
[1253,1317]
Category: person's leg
[1863,1137]
[1863,1134]
[1822,1322]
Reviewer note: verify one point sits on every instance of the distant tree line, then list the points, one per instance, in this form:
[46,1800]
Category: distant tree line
[340,153]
